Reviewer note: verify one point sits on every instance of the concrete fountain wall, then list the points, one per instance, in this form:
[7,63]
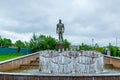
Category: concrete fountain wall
[111,62]
[16,62]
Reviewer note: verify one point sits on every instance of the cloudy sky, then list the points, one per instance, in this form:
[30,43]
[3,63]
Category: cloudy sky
[84,20]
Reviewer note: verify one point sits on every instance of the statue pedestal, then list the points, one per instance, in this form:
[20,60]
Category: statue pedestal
[61,46]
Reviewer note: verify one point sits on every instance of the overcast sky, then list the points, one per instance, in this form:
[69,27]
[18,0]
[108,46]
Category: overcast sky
[84,20]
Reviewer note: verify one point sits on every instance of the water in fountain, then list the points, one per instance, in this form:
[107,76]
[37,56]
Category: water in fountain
[70,62]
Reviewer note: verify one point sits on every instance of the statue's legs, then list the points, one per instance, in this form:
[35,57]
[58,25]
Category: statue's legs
[60,36]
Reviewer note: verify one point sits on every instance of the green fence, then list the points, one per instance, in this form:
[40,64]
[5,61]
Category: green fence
[14,51]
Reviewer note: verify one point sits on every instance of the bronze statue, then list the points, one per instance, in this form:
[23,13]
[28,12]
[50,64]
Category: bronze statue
[60,30]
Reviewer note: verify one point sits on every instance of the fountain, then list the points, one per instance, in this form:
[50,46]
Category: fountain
[62,65]
[71,62]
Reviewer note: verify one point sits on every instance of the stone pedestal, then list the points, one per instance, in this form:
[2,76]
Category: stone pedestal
[61,46]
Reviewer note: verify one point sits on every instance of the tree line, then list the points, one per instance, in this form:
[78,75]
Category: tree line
[42,42]
[114,50]
[36,43]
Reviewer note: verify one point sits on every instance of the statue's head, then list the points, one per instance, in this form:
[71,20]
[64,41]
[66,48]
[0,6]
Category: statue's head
[60,21]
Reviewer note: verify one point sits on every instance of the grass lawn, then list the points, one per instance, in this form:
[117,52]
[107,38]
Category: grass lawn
[4,57]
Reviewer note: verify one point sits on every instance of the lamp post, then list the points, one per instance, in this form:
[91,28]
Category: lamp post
[92,43]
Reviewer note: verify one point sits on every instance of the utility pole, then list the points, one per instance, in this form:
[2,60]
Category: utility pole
[116,41]
[92,43]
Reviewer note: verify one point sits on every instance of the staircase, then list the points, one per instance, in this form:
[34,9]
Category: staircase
[34,64]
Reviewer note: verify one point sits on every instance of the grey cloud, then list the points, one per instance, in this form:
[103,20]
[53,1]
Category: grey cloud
[83,19]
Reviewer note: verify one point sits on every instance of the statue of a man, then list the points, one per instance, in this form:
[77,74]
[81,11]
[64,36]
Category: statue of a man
[60,30]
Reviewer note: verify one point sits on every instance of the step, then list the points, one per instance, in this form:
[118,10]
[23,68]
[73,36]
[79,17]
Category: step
[29,66]
[35,62]
[37,59]
[108,66]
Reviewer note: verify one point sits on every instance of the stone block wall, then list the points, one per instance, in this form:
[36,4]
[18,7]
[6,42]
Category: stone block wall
[109,60]
[15,63]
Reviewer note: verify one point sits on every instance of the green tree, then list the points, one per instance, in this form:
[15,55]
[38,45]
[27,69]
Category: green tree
[27,44]
[67,43]
[50,43]
[1,41]
[6,42]
[85,47]
[99,49]
[118,52]
[33,42]
[37,42]
[42,42]
[19,44]
[113,50]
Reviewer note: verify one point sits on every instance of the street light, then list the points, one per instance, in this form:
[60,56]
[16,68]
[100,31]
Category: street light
[92,42]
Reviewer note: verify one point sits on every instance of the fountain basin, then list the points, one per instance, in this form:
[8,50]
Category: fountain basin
[29,76]
[37,72]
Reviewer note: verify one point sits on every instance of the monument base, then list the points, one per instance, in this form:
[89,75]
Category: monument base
[60,46]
